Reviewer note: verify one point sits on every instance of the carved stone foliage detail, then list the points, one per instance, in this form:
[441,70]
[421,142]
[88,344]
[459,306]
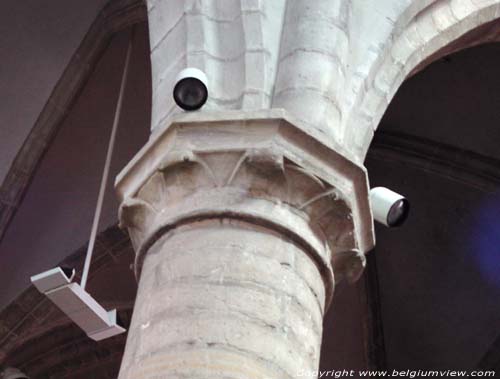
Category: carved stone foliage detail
[242,175]
[259,168]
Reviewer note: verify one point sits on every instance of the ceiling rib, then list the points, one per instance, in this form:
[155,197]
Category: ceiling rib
[115,16]
[456,164]
[463,166]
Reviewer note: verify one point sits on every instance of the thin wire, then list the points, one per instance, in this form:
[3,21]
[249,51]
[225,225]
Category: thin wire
[105,173]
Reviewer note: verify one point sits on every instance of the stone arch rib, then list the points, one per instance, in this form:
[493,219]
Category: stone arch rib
[443,27]
[114,17]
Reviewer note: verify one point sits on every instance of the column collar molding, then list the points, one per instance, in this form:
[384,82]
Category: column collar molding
[273,127]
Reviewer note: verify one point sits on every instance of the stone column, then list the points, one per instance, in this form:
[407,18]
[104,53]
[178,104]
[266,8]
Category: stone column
[241,223]
[245,214]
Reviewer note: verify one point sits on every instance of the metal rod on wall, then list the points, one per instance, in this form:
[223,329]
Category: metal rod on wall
[105,174]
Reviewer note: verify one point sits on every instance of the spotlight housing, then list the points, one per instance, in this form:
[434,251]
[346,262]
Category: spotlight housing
[57,284]
[389,208]
[191,89]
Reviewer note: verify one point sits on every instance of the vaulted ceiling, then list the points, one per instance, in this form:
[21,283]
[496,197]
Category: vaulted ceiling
[37,41]
[429,298]
[439,274]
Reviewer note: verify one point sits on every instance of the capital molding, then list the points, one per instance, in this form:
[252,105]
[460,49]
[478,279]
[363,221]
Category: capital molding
[258,167]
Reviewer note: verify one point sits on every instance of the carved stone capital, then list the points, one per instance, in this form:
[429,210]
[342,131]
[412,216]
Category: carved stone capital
[257,167]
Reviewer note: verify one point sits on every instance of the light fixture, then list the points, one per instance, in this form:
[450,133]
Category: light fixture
[77,304]
[191,89]
[389,208]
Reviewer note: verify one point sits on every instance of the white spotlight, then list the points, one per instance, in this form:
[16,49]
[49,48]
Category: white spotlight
[191,89]
[389,208]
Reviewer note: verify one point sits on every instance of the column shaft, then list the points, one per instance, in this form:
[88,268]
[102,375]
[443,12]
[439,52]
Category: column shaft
[225,299]
[241,226]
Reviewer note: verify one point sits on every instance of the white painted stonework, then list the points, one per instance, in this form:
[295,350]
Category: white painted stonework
[334,65]
[245,214]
